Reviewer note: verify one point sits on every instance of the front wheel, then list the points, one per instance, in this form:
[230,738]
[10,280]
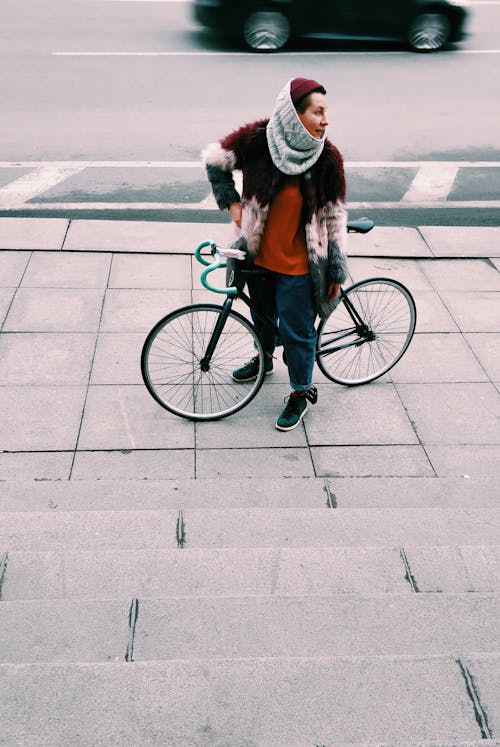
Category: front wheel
[429,31]
[266,31]
[183,379]
[368,332]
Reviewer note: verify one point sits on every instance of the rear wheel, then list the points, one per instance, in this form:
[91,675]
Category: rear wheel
[368,332]
[429,31]
[266,30]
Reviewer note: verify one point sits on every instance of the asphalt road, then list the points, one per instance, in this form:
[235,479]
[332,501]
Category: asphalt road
[135,81]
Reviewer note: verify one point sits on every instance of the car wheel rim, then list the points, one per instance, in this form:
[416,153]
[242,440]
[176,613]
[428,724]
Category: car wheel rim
[429,31]
[266,31]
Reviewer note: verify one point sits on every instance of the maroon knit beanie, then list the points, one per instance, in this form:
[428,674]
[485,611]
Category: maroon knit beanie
[300,87]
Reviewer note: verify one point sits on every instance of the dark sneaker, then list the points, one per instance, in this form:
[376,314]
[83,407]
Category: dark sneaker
[249,371]
[296,408]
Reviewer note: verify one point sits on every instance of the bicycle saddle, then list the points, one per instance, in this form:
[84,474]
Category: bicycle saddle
[360,225]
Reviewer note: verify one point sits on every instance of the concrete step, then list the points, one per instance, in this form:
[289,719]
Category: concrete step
[248,527]
[179,628]
[380,492]
[117,573]
[292,702]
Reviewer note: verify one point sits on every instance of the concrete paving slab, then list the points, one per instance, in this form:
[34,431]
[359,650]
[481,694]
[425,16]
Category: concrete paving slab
[285,462]
[474,311]
[139,310]
[370,415]
[475,460]
[6,297]
[150,271]
[46,358]
[65,270]
[416,492]
[371,461]
[37,465]
[407,271]
[61,270]
[485,672]
[432,315]
[439,358]
[64,631]
[144,236]
[384,241]
[252,427]
[101,495]
[55,310]
[88,530]
[117,358]
[33,233]
[40,418]
[277,702]
[12,267]
[127,417]
[358,527]
[134,464]
[462,241]
[453,413]
[310,626]
[455,569]
[486,346]
[462,274]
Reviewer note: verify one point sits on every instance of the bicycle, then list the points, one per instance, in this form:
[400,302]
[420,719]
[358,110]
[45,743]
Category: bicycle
[189,355]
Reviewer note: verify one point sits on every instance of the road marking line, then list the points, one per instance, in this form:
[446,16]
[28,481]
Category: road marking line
[202,206]
[79,165]
[431,182]
[18,192]
[262,57]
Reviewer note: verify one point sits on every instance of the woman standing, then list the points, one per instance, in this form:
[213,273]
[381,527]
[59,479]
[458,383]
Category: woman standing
[292,222]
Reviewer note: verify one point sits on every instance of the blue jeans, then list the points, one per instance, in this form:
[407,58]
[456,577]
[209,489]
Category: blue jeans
[289,301]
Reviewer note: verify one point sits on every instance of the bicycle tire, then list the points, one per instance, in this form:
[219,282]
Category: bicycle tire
[171,363]
[351,354]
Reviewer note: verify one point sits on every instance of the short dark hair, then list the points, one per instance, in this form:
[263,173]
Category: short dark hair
[304,102]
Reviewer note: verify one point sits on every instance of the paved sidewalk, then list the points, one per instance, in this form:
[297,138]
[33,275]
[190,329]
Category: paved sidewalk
[78,298]
[222,583]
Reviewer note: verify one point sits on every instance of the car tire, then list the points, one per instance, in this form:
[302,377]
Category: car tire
[266,31]
[429,31]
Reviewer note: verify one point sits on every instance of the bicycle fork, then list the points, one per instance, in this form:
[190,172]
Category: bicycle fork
[214,339]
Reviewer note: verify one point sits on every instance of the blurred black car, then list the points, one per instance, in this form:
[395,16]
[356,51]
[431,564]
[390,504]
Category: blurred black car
[267,25]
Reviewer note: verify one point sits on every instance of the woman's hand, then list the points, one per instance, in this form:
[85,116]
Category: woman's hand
[333,290]
[235,213]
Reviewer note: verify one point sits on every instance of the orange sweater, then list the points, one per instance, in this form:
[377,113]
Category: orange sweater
[283,247]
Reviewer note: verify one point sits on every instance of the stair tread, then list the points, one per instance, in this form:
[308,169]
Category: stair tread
[265,701]
[180,628]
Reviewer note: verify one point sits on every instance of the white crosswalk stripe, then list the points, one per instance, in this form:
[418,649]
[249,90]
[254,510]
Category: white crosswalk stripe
[430,187]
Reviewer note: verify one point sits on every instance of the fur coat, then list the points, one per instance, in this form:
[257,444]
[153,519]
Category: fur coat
[323,192]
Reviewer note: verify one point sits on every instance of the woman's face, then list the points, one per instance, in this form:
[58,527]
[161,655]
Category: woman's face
[314,117]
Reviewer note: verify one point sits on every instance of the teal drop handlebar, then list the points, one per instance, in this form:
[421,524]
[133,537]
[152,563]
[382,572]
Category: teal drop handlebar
[215,264]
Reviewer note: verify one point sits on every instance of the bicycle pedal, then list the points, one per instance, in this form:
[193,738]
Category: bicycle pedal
[312,395]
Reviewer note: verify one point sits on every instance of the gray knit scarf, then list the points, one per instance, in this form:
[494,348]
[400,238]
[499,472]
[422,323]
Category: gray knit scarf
[293,149]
